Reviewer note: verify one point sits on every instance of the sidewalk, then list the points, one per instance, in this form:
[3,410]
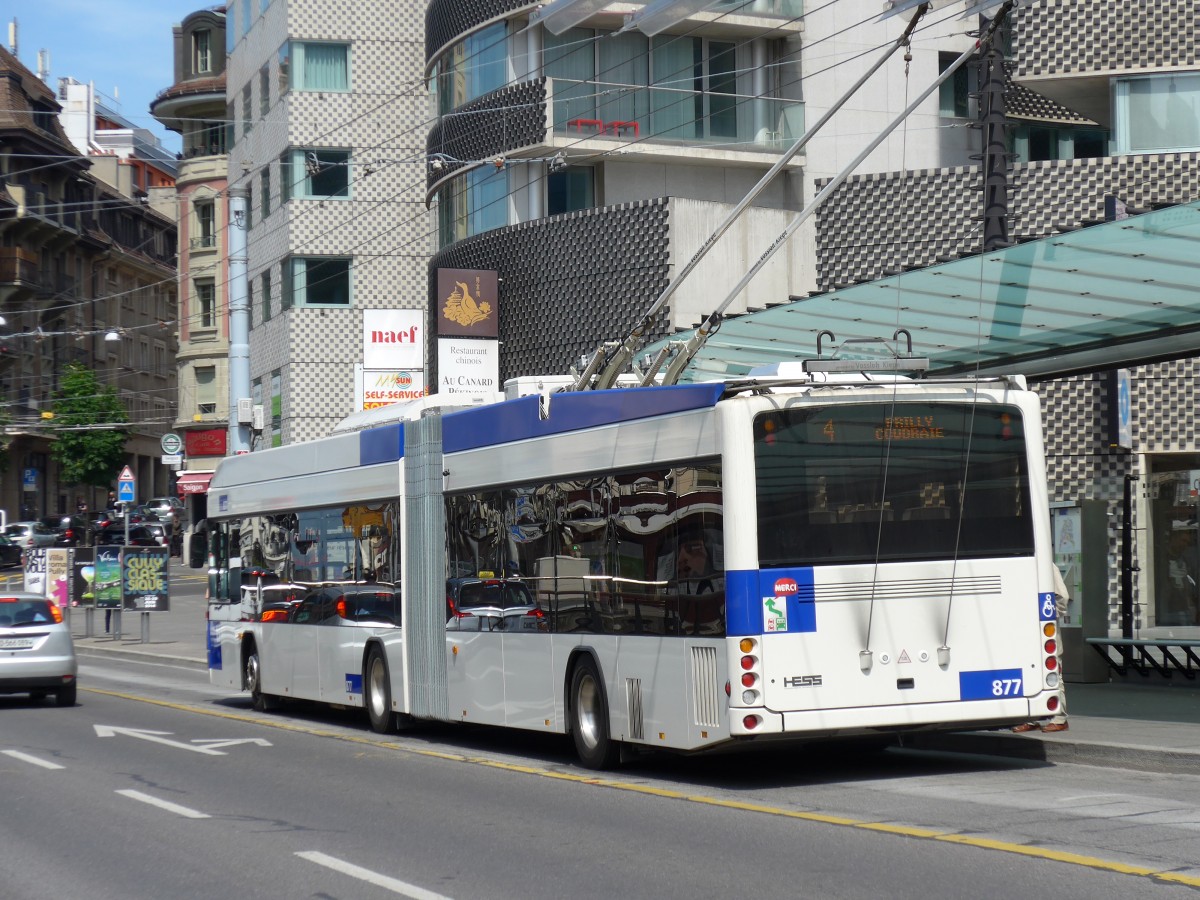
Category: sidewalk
[1152,726]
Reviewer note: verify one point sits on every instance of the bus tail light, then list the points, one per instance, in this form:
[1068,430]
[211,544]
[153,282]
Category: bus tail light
[751,722]
[1051,647]
[749,679]
[1051,663]
[748,662]
[1052,703]
[1049,629]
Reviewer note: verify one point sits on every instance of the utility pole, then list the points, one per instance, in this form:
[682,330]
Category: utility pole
[239,323]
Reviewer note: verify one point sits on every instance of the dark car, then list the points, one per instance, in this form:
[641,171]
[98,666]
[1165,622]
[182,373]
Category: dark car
[10,553]
[114,535]
[72,531]
[348,604]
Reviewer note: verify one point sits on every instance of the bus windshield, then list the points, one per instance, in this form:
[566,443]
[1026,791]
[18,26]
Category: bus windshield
[856,483]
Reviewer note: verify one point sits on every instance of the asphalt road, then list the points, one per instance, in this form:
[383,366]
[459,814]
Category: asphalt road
[150,800]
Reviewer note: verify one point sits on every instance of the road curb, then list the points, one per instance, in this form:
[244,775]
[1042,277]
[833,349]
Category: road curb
[139,655]
[1059,750]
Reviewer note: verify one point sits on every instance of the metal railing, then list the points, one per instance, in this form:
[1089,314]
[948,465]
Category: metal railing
[630,112]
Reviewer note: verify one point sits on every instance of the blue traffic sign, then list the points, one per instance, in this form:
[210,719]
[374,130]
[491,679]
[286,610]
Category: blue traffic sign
[125,491]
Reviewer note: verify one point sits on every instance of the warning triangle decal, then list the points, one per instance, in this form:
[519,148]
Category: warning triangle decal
[903,657]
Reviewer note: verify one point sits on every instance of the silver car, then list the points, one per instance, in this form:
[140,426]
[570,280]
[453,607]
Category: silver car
[31,534]
[36,653]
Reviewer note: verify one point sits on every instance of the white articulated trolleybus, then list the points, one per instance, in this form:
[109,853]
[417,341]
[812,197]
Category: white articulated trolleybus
[789,556]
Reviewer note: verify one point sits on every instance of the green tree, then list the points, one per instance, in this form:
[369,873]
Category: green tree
[91,428]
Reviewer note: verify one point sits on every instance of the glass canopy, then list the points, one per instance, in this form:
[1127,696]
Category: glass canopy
[1100,297]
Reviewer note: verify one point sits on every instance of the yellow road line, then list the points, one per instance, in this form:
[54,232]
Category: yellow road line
[1074,859]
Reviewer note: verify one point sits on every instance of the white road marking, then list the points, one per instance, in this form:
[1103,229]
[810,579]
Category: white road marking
[145,734]
[383,881]
[25,757]
[163,804]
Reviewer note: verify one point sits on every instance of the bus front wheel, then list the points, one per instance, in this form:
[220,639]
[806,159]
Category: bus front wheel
[378,686]
[260,701]
[589,718]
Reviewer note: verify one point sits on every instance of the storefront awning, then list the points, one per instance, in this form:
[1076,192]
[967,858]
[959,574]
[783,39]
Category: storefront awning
[1100,297]
[193,483]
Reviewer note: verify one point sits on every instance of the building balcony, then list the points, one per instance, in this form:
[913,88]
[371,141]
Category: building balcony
[18,269]
[672,116]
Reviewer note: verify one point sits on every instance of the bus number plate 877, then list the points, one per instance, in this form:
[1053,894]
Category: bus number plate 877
[992,684]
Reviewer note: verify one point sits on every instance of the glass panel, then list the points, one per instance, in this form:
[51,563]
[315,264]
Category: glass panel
[1175,540]
[569,58]
[570,189]
[675,110]
[623,61]
[846,484]
[1159,113]
[488,199]
[722,85]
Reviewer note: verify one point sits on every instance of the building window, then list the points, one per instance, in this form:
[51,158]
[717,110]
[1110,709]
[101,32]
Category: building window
[1161,112]
[955,101]
[570,189]
[231,121]
[231,28]
[276,408]
[265,281]
[472,204]
[206,389]
[472,68]
[247,99]
[316,281]
[201,52]
[206,300]
[206,234]
[315,174]
[264,90]
[265,188]
[311,66]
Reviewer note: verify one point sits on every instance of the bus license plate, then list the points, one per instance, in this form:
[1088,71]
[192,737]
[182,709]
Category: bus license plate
[991,684]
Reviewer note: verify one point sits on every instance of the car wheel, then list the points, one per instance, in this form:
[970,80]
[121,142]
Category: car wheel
[260,701]
[377,685]
[65,696]
[589,718]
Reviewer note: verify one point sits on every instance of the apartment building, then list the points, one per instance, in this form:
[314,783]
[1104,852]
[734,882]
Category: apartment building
[328,116]
[194,107]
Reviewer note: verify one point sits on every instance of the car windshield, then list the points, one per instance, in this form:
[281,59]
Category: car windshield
[502,594]
[16,613]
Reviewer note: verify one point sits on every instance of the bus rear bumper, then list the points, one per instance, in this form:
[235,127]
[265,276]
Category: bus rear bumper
[959,715]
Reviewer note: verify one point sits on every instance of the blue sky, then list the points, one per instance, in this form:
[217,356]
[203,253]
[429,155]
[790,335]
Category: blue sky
[123,46]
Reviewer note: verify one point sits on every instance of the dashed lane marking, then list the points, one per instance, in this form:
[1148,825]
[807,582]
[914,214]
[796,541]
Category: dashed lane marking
[33,760]
[384,881]
[1027,850]
[164,804]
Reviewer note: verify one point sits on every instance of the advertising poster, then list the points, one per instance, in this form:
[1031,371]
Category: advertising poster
[83,577]
[58,576]
[468,303]
[106,578]
[145,578]
[35,570]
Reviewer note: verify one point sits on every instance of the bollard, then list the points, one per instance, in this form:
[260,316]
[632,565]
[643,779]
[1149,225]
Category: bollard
[89,621]
[145,627]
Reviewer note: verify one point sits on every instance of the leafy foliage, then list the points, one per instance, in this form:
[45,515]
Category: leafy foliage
[90,456]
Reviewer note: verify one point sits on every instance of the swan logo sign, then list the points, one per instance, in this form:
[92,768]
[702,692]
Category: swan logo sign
[467,303]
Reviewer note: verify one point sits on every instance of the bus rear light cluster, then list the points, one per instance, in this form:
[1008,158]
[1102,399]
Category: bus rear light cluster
[1052,703]
[1051,663]
[1051,646]
[750,664]
[751,722]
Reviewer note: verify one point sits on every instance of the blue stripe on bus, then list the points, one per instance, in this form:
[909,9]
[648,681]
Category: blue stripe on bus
[518,420]
[354,683]
[382,444]
[770,601]
[214,647]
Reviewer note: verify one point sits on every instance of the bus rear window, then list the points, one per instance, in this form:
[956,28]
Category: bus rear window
[891,481]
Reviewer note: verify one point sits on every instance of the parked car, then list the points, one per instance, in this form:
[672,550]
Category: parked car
[166,509]
[114,535]
[71,531]
[30,534]
[492,604]
[10,553]
[36,652]
[159,530]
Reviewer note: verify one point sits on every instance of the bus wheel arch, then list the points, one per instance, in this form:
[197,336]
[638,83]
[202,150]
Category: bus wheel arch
[377,689]
[587,713]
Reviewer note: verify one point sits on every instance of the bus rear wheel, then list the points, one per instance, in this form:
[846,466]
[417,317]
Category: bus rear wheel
[589,718]
[377,685]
